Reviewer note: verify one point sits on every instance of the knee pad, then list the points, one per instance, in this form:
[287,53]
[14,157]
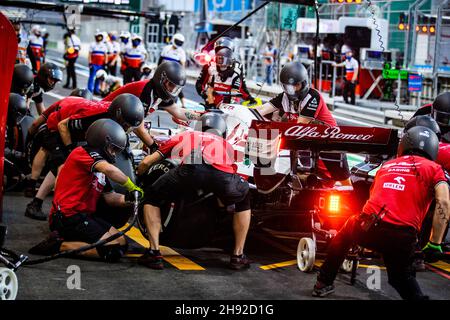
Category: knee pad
[111,253]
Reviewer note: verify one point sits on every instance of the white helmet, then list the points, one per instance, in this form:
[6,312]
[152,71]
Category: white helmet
[136,37]
[177,40]
[36,29]
[146,65]
[99,33]
[100,74]
[124,34]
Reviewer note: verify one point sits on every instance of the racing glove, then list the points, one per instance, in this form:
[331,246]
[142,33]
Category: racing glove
[432,252]
[153,147]
[131,187]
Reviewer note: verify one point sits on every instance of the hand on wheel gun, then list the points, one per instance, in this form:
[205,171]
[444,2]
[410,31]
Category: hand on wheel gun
[432,252]
[134,194]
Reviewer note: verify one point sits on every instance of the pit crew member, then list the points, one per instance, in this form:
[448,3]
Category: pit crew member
[81,183]
[390,220]
[224,75]
[302,104]
[207,163]
[107,83]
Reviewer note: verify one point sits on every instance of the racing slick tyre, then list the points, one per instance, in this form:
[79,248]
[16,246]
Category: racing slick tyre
[347,265]
[8,284]
[306,254]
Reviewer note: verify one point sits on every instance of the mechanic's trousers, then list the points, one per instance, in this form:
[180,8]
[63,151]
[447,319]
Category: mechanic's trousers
[349,89]
[71,73]
[93,85]
[395,243]
[131,74]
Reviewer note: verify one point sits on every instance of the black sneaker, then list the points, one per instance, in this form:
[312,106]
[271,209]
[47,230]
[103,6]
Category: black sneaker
[321,290]
[152,259]
[34,211]
[419,265]
[49,246]
[238,262]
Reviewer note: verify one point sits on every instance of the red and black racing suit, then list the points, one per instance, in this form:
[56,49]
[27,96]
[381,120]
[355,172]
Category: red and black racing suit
[207,163]
[313,106]
[77,192]
[403,189]
[225,81]
[66,108]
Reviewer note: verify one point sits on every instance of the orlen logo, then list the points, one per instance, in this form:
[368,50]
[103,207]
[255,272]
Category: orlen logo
[395,186]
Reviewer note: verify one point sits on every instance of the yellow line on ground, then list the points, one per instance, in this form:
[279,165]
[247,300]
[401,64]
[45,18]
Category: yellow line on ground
[441,265]
[170,255]
[279,265]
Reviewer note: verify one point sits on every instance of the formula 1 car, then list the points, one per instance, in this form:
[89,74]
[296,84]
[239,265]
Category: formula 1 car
[289,199]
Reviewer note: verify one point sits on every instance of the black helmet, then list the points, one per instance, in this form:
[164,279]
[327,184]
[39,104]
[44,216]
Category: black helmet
[169,79]
[17,107]
[214,122]
[107,137]
[224,59]
[441,113]
[424,121]
[293,74]
[127,110]
[48,75]
[22,79]
[223,42]
[83,93]
[421,141]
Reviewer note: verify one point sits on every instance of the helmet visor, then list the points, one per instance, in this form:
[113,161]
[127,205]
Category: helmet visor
[292,89]
[178,43]
[442,118]
[223,61]
[171,88]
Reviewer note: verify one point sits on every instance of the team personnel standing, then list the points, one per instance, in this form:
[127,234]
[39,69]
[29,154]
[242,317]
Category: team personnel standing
[97,60]
[400,196]
[175,52]
[80,184]
[161,91]
[113,53]
[215,171]
[124,43]
[351,76]
[37,46]
[270,57]
[221,79]
[72,46]
[146,72]
[133,57]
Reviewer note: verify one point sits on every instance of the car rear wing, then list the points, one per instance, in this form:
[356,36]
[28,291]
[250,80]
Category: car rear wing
[266,139]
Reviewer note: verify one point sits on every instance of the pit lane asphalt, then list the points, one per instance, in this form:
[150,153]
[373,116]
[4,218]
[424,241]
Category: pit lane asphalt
[189,274]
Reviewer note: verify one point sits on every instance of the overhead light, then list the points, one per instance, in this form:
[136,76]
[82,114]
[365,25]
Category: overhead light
[401,26]
[417,28]
[432,29]
[424,29]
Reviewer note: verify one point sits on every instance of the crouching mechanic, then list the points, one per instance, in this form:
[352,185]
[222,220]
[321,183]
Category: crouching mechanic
[392,217]
[81,183]
[207,163]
